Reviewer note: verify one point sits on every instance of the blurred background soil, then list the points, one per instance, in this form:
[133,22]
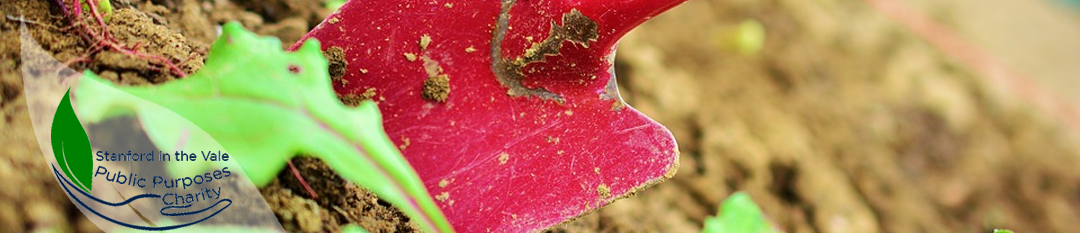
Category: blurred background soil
[845,121]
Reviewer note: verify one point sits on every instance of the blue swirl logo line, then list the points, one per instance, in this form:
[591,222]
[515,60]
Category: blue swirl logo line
[65,183]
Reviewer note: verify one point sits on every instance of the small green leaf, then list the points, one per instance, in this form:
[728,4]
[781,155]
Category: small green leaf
[104,8]
[71,146]
[265,106]
[738,214]
[1002,231]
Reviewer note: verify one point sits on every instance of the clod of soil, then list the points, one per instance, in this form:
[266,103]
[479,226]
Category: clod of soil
[425,40]
[437,88]
[353,99]
[132,27]
[338,65]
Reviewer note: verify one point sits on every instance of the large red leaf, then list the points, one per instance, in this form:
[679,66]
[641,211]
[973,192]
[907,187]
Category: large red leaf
[535,138]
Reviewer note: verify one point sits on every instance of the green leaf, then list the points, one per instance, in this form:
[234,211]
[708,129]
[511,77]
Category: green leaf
[1002,231]
[738,214]
[104,8]
[264,106]
[71,147]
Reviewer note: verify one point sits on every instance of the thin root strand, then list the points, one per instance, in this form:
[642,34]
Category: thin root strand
[104,39]
[303,182]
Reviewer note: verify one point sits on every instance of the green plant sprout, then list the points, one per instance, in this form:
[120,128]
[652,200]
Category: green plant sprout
[747,38]
[266,106]
[104,5]
[738,214]
[1002,231]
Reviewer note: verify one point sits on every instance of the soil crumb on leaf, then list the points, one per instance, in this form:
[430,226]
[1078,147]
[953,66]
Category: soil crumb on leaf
[437,88]
[405,142]
[603,190]
[443,183]
[353,99]
[338,65]
[503,158]
[425,40]
[442,196]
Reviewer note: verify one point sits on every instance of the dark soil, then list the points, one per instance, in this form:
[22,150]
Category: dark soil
[339,202]
[845,122]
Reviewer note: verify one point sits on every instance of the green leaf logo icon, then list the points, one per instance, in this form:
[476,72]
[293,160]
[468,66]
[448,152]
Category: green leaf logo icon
[71,146]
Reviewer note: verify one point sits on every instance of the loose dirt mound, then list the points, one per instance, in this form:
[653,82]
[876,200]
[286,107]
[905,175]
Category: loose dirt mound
[843,123]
